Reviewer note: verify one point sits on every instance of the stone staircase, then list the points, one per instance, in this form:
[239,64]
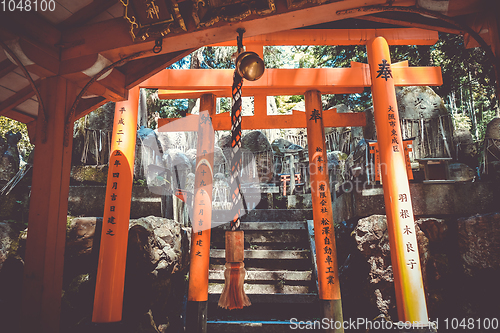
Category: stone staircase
[280,279]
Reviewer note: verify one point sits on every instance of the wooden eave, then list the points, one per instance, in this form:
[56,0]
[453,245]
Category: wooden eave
[68,43]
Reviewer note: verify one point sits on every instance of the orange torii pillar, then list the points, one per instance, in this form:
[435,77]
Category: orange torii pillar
[108,300]
[410,295]
[324,234]
[196,317]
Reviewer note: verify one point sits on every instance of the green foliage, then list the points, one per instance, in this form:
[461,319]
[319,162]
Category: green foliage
[164,108]
[25,146]
[224,104]
[277,56]
[461,121]
[217,57]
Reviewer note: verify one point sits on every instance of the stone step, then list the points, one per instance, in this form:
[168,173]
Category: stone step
[266,254]
[264,215]
[280,239]
[279,298]
[215,326]
[217,264]
[269,289]
[266,275]
[253,225]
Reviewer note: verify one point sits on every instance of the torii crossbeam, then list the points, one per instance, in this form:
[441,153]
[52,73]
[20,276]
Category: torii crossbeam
[193,83]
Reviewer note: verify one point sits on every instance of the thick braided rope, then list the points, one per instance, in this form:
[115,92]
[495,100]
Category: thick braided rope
[235,150]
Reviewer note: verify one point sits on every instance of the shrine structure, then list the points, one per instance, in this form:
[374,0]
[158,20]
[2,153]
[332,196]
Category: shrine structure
[379,75]
[62,61]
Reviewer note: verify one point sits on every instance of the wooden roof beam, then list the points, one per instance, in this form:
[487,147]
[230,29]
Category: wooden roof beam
[112,87]
[139,70]
[394,36]
[19,116]
[375,18]
[88,105]
[6,67]
[35,57]
[111,38]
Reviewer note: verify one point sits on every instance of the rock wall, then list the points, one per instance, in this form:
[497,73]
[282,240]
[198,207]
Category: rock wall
[157,261]
[460,266]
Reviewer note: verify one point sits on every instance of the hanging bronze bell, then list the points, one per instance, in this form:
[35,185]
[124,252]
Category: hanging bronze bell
[250,66]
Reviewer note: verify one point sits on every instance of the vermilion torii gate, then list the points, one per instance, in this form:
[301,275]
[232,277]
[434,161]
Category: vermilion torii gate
[381,76]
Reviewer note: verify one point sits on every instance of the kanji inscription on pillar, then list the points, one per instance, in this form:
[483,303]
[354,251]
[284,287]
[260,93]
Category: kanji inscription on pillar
[326,253]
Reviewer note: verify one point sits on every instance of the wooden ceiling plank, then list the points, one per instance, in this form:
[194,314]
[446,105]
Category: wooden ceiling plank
[374,18]
[13,101]
[87,13]
[141,69]
[6,67]
[32,28]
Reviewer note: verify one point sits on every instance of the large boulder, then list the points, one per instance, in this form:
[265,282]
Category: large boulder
[461,172]
[224,141]
[492,149]
[281,146]
[422,106]
[493,129]
[256,146]
[7,237]
[80,236]
[11,281]
[3,145]
[479,256]
[466,147]
[179,166]
[177,140]
[220,163]
[479,242]
[157,259]
[372,240]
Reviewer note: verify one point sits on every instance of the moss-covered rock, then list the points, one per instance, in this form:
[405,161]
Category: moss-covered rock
[90,173]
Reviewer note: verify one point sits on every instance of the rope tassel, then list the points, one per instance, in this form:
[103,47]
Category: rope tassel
[233,296]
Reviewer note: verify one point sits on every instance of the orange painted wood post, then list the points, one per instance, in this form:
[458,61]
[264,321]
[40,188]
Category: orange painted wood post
[324,234]
[202,220]
[44,259]
[410,295]
[108,300]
